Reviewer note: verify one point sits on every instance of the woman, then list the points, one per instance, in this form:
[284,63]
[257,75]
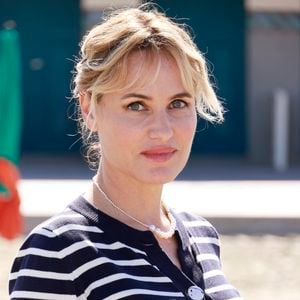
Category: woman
[140,82]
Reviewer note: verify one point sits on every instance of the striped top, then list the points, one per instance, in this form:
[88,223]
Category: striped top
[83,253]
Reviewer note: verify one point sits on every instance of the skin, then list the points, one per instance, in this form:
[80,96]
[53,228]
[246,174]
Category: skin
[146,136]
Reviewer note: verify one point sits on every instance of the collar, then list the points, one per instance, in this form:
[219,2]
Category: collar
[120,231]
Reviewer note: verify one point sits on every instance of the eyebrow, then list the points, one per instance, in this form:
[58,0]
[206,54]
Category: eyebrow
[141,96]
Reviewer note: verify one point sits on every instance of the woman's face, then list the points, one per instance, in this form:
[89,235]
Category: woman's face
[146,133]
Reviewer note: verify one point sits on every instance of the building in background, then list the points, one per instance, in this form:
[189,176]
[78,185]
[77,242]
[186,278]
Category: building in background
[272,62]
[253,48]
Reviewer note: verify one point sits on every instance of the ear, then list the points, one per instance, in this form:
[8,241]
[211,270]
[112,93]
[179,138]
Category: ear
[87,114]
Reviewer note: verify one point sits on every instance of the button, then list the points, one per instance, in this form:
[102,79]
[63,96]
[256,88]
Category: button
[195,293]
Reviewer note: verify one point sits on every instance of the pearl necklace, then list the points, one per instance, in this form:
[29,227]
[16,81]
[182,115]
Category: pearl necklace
[155,230]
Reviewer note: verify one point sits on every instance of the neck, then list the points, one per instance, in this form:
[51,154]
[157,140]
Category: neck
[139,200]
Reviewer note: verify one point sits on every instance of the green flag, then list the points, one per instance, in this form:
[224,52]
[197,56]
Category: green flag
[10,95]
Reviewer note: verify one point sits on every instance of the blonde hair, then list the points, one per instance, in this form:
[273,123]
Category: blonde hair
[102,66]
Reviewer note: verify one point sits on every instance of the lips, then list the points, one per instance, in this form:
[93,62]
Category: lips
[160,154]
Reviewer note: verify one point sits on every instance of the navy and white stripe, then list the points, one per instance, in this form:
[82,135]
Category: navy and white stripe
[84,254]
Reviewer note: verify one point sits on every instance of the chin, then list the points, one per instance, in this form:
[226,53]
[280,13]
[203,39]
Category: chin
[161,176]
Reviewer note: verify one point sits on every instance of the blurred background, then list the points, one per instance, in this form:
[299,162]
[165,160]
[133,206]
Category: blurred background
[250,164]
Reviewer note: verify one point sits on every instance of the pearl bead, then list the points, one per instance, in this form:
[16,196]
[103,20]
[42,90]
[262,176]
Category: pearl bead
[152,228]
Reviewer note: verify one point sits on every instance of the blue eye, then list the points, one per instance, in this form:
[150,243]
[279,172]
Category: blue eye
[136,106]
[178,104]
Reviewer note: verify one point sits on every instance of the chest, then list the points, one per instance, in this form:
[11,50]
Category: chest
[117,271]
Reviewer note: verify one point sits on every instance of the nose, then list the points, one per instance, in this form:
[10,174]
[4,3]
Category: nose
[161,126]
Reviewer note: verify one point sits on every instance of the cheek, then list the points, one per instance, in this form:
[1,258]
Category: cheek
[118,135]
[188,128]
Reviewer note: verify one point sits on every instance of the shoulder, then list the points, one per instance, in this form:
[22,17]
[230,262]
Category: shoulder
[56,239]
[195,224]
[51,253]
[67,226]
[202,236]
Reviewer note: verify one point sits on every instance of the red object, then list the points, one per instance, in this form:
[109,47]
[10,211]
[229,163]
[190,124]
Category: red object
[11,221]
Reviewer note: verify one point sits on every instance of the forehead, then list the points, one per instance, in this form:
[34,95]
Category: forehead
[144,68]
